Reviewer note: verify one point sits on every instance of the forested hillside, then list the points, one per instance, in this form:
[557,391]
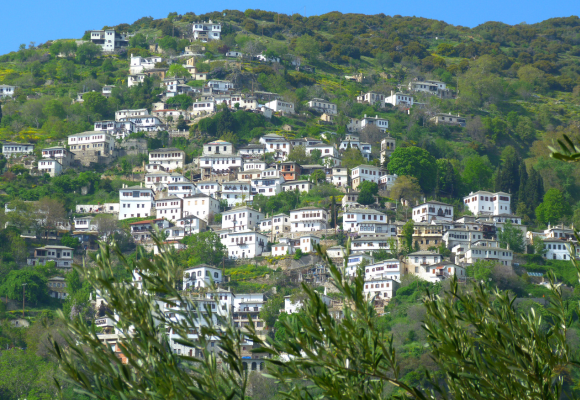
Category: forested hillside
[517,87]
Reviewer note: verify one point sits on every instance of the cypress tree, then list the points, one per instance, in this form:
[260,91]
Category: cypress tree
[0,112]
[520,195]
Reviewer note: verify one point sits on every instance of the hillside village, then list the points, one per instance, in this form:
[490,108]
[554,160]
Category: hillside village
[247,183]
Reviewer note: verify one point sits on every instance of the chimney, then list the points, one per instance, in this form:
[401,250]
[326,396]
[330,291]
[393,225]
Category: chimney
[392,92]
[141,184]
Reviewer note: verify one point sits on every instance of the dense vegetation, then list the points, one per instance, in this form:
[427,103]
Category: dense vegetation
[518,86]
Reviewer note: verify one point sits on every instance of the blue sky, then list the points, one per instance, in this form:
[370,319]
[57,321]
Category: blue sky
[41,20]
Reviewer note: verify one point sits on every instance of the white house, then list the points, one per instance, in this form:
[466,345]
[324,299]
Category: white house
[219,85]
[268,184]
[291,307]
[201,206]
[210,188]
[245,244]
[428,86]
[387,181]
[100,142]
[374,242]
[325,150]
[380,288]
[141,231]
[138,63]
[135,79]
[241,219]
[236,192]
[323,106]
[419,259]
[386,269]
[364,173]
[381,123]
[559,249]
[135,202]
[207,31]
[219,165]
[482,202]
[279,223]
[399,99]
[85,224]
[309,219]
[281,106]
[10,149]
[301,186]
[161,179]
[61,255]
[184,227]
[371,98]
[432,210]
[50,166]
[135,113]
[109,40]
[170,208]
[475,253]
[308,243]
[59,153]
[250,165]
[354,260]
[336,252]
[365,220]
[203,107]
[252,150]
[202,275]
[283,248]
[7,90]
[170,158]
[237,54]
[218,147]
[339,176]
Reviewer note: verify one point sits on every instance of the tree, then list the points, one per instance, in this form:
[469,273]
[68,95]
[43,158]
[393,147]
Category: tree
[341,360]
[307,47]
[367,191]
[553,208]
[204,247]
[95,103]
[73,282]
[511,236]
[508,177]
[407,235]
[318,176]
[66,69]
[22,215]
[138,40]
[298,154]
[416,162]
[36,290]
[107,225]
[477,173]
[178,70]
[448,182]
[352,158]
[69,241]
[87,52]
[271,310]
[51,213]
[182,101]
[405,187]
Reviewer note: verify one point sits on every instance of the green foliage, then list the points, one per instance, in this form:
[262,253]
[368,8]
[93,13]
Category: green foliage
[352,158]
[35,291]
[553,208]
[298,254]
[416,162]
[481,270]
[178,70]
[367,191]
[204,247]
[511,236]
[87,52]
[271,310]
[69,241]
[407,233]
